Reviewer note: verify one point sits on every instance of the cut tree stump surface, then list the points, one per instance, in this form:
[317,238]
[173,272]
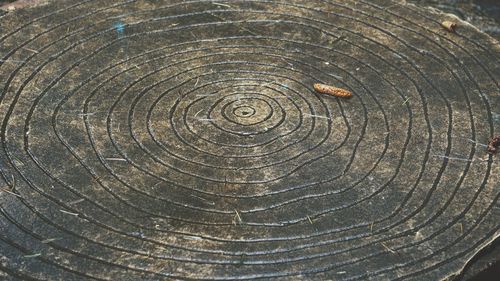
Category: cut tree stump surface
[156,140]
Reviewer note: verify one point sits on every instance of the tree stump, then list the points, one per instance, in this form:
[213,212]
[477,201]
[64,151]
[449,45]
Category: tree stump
[156,140]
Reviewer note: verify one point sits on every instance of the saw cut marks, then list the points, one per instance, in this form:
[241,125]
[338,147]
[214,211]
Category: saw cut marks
[183,140]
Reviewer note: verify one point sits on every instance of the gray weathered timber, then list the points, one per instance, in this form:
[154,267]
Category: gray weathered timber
[157,140]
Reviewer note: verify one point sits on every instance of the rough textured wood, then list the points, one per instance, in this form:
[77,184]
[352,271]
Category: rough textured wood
[147,140]
[484,14]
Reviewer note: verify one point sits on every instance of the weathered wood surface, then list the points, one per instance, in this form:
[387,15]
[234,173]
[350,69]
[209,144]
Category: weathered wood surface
[484,14]
[148,140]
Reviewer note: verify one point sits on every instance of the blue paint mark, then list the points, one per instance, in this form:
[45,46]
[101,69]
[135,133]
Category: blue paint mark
[120,28]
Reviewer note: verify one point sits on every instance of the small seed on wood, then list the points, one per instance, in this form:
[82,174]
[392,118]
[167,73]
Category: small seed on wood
[494,144]
[449,25]
[331,90]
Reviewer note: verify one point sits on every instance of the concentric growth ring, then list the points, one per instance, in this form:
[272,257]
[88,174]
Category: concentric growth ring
[148,140]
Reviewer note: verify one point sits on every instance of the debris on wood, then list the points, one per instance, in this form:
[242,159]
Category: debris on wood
[310,220]
[115,159]
[493,145]
[387,248]
[50,240]
[10,192]
[406,101]
[76,201]
[237,218]
[449,25]
[331,90]
[193,238]
[32,256]
[69,213]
